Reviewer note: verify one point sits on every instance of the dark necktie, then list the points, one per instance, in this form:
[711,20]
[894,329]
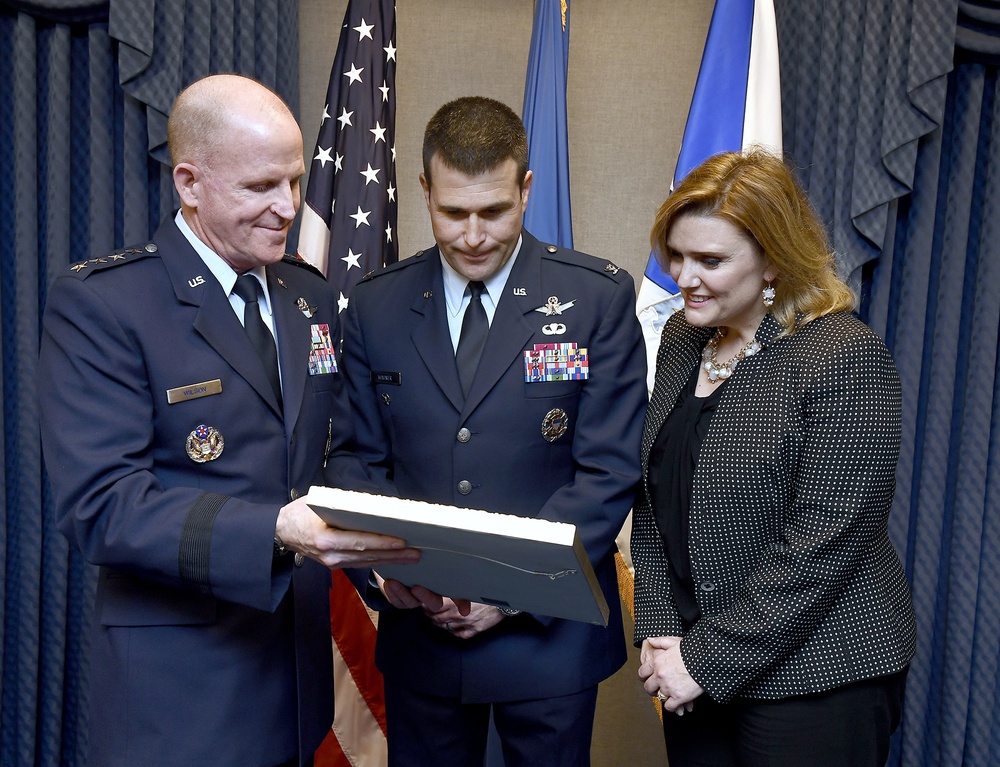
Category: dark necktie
[248,288]
[475,328]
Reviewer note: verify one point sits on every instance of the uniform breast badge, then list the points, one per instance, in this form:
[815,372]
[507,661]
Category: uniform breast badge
[205,443]
[322,359]
[556,362]
[555,424]
[305,307]
[553,307]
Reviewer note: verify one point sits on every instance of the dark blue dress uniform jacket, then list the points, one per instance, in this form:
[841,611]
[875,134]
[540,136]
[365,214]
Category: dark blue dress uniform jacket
[205,651]
[409,428]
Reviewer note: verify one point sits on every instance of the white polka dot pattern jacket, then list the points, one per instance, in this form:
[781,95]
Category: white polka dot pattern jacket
[799,587]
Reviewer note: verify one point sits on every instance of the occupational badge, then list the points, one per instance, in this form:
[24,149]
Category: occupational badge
[554,424]
[205,443]
[303,306]
[556,362]
[554,329]
[322,359]
[553,307]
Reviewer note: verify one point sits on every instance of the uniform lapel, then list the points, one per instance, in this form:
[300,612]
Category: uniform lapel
[430,329]
[292,329]
[215,319]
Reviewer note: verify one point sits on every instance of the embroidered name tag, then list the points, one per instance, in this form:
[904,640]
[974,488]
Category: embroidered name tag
[385,377]
[194,391]
[321,356]
[556,362]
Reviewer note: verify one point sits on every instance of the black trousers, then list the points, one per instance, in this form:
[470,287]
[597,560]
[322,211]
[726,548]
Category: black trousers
[849,726]
[427,730]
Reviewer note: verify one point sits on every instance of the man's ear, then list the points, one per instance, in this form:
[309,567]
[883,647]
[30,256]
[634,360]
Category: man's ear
[187,181]
[427,190]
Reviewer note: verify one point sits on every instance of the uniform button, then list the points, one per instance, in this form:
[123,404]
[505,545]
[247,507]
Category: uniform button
[464,435]
[299,559]
[465,487]
[707,586]
[293,494]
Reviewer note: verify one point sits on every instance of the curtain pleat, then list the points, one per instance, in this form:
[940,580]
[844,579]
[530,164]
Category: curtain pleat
[83,171]
[862,81]
[897,140]
[934,297]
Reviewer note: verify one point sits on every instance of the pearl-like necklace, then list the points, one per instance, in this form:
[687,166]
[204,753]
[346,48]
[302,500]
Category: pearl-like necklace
[717,372]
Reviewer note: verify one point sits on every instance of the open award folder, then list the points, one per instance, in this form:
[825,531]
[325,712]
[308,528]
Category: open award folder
[500,559]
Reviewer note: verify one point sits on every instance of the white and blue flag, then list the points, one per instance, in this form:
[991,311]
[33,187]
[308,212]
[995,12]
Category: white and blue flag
[736,105]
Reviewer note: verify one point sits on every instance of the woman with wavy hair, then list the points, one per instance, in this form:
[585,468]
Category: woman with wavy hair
[772,611]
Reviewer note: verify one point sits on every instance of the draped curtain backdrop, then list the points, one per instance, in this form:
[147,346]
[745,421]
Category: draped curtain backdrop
[892,117]
[85,88]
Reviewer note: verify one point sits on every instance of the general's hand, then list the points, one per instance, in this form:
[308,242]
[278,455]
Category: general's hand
[302,531]
[664,675]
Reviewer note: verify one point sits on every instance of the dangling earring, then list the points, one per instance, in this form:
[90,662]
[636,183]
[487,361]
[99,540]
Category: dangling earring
[768,294]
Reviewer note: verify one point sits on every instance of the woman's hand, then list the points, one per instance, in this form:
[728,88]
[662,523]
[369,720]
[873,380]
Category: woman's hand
[664,675]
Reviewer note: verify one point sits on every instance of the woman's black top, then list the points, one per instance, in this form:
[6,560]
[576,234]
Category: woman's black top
[672,461]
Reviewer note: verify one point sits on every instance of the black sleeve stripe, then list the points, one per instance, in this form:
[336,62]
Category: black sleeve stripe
[196,539]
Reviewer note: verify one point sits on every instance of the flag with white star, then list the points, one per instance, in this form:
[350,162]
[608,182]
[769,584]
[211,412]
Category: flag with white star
[349,216]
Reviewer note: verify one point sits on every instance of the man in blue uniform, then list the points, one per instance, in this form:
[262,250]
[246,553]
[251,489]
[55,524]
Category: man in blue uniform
[178,443]
[498,373]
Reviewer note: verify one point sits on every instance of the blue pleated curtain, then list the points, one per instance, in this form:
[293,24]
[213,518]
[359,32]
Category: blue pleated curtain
[892,117]
[85,88]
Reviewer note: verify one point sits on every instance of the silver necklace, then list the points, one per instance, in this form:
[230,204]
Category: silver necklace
[720,372]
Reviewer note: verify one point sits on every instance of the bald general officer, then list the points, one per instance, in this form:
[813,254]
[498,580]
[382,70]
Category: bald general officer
[193,394]
[495,372]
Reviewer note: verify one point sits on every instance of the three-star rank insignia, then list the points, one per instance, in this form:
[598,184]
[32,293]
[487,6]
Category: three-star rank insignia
[118,255]
[205,443]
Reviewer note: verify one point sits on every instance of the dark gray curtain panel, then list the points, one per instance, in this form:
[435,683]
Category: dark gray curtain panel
[85,88]
[892,118]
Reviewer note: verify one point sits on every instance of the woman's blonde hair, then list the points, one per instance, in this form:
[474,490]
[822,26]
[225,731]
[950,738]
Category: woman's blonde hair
[756,192]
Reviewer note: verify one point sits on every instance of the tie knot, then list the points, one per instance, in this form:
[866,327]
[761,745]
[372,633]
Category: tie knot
[476,288]
[247,288]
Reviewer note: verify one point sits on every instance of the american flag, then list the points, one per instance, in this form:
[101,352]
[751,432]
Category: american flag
[348,229]
[349,217]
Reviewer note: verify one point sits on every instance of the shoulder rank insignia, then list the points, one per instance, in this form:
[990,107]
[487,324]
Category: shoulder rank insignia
[113,258]
[612,268]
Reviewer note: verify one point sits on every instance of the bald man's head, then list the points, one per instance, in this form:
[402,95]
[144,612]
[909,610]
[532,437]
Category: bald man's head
[237,155]
[202,117]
